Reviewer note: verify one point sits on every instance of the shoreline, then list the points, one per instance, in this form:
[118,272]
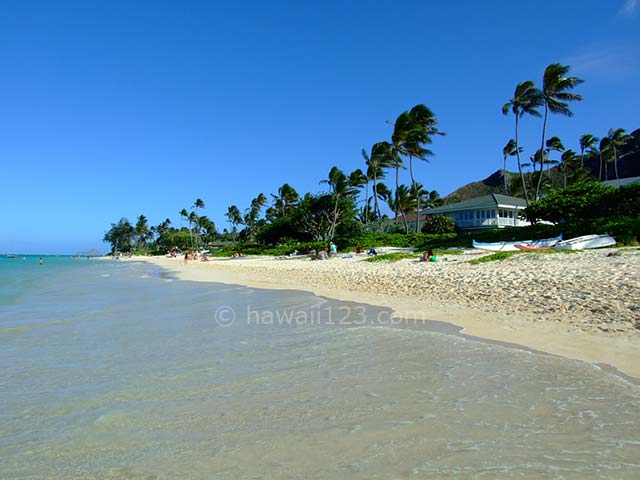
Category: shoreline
[611,345]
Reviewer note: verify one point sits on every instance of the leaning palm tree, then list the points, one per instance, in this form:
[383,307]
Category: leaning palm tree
[357,180]
[183,215]
[587,142]
[235,218]
[286,198]
[617,138]
[555,95]
[554,144]
[526,100]
[422,127]
[510,149]
[376,163]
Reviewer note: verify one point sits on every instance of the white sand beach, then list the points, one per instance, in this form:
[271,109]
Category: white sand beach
[584,306]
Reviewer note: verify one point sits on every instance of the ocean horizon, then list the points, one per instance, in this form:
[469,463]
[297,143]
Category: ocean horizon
[119,370]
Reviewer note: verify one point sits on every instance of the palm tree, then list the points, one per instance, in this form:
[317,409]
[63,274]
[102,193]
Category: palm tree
[617,138]
[183,215]
[141,231]
[340,188]
[196,205]
[603,149]
[555,95]
[422,126]
[567,161]
[235,218]
[587,142]
[510,149]
[394,159]
[376,163]
[253,212]
[404,200]
[357,179]
[286,198]
[526,99]
[193,220]
[554,144]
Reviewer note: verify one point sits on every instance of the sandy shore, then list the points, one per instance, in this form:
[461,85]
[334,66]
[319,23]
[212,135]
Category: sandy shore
[584,306]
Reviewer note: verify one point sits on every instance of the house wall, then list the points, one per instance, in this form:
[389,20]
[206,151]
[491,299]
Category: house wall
[488,218]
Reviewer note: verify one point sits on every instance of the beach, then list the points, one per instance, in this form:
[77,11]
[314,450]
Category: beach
[584,306]
[120,369]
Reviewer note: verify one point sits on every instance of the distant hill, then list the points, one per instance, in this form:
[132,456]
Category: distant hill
[628,166]
[494,183]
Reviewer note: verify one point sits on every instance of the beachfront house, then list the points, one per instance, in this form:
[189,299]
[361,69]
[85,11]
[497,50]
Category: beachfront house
[487,211]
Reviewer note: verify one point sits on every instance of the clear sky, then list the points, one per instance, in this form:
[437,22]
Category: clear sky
[109,109]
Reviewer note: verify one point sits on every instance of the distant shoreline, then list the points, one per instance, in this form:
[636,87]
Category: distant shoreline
[561,318]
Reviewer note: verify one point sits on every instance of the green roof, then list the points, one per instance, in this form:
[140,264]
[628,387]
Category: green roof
[493,200]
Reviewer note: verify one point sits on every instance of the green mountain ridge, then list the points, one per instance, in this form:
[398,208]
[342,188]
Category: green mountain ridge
[628,166]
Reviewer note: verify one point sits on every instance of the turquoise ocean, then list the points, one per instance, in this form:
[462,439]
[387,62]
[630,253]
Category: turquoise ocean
[116,370]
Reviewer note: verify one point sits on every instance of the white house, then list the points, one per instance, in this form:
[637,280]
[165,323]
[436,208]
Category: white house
[488,211]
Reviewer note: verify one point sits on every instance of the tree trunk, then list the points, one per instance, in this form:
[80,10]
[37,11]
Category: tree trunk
[615,161]
[375,195]
[544,132]
[413,185]
[395,203]
[366,202]
[601,162]
[524,185]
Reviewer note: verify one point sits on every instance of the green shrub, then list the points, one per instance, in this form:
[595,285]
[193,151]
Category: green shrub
[578,202]
[439,224]
[392,257]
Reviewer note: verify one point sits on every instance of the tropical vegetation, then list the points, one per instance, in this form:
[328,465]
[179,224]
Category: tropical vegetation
[372,205]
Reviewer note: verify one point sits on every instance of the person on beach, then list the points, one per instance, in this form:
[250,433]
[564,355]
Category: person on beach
[358,250]
[428,257]
[186,257]
[322,255]
[333,250]
[372,251]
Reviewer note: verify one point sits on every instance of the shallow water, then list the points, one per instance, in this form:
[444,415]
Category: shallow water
[115,370]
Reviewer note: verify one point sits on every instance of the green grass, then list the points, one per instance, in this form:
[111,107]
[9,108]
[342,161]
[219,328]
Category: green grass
[493,257]
[504,255]
[392,257]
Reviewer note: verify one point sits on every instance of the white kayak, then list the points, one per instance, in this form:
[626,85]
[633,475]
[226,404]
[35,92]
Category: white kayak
[511,246]
[586,242]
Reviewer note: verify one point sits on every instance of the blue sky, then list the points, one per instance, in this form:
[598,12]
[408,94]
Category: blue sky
[112,109]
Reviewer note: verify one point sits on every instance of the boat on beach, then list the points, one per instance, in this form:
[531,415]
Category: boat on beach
[544,243]
[586,242]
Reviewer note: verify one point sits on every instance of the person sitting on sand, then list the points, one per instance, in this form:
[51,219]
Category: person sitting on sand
[428,257]
[372,251]
[358,250]
[322,255]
